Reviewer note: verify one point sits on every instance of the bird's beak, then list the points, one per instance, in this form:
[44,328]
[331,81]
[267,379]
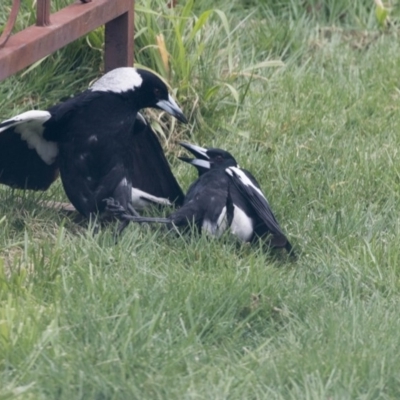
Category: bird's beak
[186,159]
[197,151]
[172,108]
[204,164]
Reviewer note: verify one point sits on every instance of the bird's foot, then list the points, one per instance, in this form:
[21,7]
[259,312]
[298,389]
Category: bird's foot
[113,206]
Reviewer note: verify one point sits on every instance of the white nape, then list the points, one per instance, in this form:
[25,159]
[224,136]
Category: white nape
[30,126]
[142,199]
[118,80]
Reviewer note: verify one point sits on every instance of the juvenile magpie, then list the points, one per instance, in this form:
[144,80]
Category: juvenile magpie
[99,143]
[224,196]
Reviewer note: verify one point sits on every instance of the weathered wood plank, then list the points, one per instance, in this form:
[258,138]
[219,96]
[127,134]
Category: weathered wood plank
[67,25]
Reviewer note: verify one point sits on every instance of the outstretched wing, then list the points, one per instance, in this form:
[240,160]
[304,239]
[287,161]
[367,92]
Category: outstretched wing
[249,188]
[27,160]
[151,171]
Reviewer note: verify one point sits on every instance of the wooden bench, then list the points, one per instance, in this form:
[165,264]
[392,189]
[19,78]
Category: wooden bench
[53,31]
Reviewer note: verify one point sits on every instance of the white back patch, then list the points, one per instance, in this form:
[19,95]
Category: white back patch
[216,228]
[222,223]
[118,80]
[30,126]
[209,227]
[242,225]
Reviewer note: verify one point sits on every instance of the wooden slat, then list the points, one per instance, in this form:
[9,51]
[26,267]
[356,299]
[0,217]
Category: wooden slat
[67,25]
[43,13]
[119,41]
[10,23]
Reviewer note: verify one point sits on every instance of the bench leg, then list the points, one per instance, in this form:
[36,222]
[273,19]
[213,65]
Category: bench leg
[118,50]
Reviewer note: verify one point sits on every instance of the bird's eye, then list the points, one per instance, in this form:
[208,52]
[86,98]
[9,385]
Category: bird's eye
[157,92]
[218,158]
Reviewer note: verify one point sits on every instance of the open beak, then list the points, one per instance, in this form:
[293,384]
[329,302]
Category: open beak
[172,108]
[203,164]
[197,151]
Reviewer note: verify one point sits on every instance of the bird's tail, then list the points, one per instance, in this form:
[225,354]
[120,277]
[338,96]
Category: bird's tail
[280,241]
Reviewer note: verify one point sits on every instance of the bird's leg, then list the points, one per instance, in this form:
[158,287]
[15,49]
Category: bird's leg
[114,207]
[132,211]
[127,215]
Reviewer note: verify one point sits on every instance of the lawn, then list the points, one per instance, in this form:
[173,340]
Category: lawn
[306,95]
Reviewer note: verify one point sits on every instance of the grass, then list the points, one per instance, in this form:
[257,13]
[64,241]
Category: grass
[159,316]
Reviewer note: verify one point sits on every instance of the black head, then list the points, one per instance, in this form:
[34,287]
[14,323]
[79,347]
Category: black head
[220,157]
[208,158]
[149,90]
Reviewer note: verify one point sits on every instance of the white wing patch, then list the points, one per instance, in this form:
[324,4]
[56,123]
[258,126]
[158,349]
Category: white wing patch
[118,80]
[141,199]
[30,126]
[37,117]
[243,178]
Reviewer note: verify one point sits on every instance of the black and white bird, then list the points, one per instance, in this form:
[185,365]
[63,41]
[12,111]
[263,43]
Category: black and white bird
[224,196]
[98,142]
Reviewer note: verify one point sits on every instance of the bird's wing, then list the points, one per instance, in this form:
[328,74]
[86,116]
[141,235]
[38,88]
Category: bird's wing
[131,167]
[27,159]
[29,125]
[205,202]
[35,117]
[249,188]
[151,171]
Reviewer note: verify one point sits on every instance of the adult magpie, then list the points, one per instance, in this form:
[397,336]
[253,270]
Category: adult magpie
[224,196]
[98,142]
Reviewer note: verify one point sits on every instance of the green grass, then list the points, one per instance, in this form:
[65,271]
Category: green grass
[158,316]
